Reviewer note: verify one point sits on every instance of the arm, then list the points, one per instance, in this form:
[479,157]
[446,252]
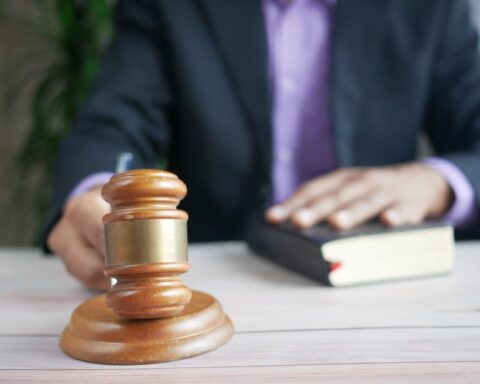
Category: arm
[126,111]
[453,113]
[410,193]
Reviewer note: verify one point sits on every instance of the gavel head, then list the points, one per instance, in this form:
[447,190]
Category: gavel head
[146,244]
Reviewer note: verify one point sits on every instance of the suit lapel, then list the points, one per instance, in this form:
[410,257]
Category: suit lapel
[238,28]
[359,31]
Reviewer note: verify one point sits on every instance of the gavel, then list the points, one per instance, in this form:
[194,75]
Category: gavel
[148,315]
[146,244]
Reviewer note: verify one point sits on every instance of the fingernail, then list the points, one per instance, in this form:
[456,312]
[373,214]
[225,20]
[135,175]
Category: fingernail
[343,218]
[304,216]
[277,213]
[393,216]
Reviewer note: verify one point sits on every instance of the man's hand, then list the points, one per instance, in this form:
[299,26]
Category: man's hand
[78,239]
[398,195]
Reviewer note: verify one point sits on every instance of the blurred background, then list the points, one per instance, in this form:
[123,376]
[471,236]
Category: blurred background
[49,53]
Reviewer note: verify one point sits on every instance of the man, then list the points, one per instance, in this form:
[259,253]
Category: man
[312,106]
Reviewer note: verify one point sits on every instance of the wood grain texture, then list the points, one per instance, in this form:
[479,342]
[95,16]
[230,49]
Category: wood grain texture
[413,373]
[148,291]
[288,328]
[148,316]
[144,194]
[256,294]
[96,334]
[355,346]
[146,244]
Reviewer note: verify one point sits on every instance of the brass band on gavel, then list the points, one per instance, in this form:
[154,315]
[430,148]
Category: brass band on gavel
[146,241]
[146,244]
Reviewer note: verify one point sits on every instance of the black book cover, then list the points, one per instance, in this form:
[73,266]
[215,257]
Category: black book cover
[301,250]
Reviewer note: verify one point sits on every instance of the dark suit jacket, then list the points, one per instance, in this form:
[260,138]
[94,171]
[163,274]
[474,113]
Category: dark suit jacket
[187,80]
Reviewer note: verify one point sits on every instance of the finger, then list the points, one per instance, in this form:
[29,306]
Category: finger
[86,214]
[402,214]
[91,222]
[79,258]
[360,211]
[326,205]
[85,265]
[306,193]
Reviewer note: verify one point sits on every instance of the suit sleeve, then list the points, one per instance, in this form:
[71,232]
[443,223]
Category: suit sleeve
[127,109]
[453,113]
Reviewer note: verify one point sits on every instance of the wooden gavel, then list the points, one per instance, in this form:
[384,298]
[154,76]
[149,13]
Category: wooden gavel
[146,244]
[149,315]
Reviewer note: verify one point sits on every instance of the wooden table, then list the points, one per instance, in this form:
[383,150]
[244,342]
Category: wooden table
[288,329]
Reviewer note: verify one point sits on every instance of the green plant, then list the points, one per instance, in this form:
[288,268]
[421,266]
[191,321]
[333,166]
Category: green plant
[53,74]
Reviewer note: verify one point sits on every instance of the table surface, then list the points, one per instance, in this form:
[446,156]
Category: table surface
[288,328]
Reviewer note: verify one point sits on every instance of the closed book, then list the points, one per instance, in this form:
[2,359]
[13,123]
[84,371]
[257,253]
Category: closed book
[369,254]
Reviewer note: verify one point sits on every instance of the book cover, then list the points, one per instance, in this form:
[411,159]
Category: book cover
[368,254]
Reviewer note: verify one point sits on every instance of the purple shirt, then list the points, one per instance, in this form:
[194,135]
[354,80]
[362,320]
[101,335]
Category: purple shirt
[298,35]
[299,38]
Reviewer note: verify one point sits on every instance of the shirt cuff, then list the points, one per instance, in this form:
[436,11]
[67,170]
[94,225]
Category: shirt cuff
[90,182]
[463,210]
